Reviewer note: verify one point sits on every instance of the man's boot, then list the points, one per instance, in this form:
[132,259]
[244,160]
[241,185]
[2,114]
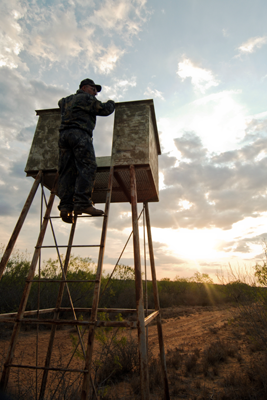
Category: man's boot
[88,210]
[66,216]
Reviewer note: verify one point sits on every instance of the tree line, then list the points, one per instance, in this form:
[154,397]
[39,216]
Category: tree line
[119,291]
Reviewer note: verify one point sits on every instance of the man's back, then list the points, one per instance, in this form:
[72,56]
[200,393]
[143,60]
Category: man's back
[79,111]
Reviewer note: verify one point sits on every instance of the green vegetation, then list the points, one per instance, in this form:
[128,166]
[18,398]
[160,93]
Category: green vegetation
[13,282]
[119,291]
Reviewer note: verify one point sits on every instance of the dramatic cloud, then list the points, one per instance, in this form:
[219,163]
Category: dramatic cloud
[190,147]
[11,38]
[218,119]
[252,44]
[106,63]
[202,79]
[215,191]
[62,33]
[212,170]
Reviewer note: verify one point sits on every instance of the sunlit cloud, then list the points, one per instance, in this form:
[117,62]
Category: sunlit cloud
[108,61]
[252,44]
[59,33]
[208,190]
[190,244]
[154,93]
[202,79]
[59,36]
[11,39]
[119,87]
[123,16]
[185,204]
[219,119]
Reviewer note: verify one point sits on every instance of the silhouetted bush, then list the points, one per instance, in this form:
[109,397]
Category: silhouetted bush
[120,292]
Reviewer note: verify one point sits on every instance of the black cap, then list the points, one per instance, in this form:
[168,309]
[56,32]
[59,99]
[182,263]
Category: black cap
[91,83]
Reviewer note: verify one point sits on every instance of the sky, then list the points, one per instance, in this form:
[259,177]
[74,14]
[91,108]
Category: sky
[204,63]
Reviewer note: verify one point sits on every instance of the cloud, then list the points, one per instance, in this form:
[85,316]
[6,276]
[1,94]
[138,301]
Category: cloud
[246,244]
[15,188]
[17,114]
[123,16]
[166,161]
[48,33]
[106,63]
[225,33]
[190,146]
[26,134]
[221,189]
[256,127]
[11,39]
[57,35]
[202,79]
[154,93]
[119,87]
[64,32]
[218,118]
[252,44]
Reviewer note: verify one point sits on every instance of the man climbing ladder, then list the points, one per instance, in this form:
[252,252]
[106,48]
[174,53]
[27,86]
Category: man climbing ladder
[77,163]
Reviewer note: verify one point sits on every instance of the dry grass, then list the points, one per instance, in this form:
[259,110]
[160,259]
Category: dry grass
[230,364]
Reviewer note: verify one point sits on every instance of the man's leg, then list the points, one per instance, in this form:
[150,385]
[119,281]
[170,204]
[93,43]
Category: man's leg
[86,171]
[67,177]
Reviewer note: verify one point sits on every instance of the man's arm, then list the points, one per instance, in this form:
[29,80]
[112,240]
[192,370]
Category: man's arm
[61,104]
[104,109]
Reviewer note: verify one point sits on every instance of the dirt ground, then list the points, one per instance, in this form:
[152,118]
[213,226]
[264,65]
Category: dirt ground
[189,334]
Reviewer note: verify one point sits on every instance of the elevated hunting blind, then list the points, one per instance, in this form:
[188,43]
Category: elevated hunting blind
[130,174]
[135,142]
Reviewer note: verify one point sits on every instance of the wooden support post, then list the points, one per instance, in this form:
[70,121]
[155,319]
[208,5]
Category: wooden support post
[157,306]
[91,334]
[19,224]
[25,295]
[139,292]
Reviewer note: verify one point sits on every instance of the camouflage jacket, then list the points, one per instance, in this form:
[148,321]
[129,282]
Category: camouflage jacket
[79,111]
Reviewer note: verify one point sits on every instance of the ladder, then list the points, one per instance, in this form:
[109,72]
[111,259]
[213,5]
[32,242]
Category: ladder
[141,324]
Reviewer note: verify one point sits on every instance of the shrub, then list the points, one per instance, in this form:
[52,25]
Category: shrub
[216,352]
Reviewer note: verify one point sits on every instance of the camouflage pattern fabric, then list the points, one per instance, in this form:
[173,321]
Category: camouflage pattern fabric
[77,169]
[77,163]
[79,111]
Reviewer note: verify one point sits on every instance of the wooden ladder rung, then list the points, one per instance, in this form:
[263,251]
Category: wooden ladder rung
[48,321]
[47,368]
[78,216]
[63,281]
[67,246]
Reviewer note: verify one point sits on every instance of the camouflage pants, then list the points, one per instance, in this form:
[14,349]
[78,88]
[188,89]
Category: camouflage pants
[77,169]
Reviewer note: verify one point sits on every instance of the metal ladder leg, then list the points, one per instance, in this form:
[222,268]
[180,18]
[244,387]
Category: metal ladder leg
[91,334]
[139,293]
[26,292]
[19,224]
[56,314]
[157,306]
